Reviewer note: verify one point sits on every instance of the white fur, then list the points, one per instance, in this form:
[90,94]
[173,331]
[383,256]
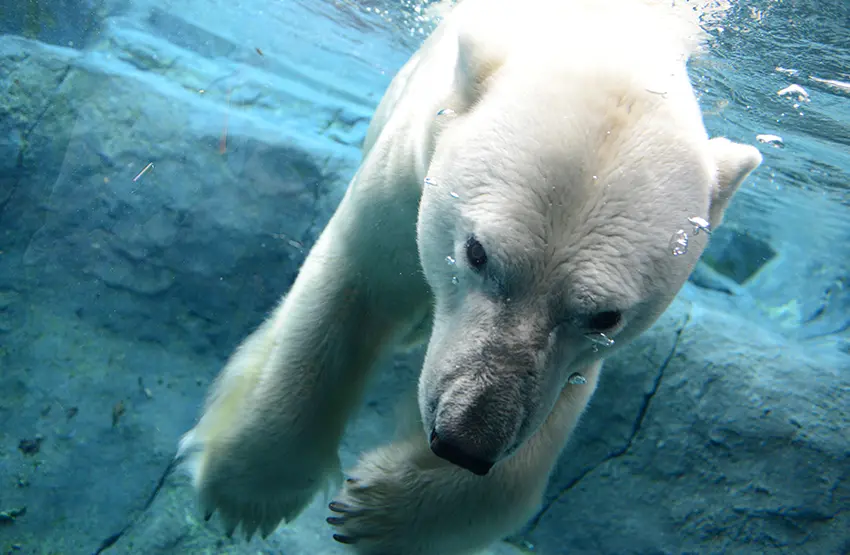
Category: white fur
[576,149]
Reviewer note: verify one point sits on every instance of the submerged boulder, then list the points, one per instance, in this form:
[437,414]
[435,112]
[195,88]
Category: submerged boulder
[185,230]
[711,434]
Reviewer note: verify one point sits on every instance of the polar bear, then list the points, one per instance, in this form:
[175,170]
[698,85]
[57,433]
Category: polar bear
[521,182]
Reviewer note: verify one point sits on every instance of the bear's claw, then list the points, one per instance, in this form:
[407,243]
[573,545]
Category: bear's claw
[338,507]
[345,539]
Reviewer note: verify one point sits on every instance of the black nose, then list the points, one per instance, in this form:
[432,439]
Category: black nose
[456,456]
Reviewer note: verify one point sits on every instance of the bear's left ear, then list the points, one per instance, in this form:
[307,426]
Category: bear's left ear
[479,57]
[734,163]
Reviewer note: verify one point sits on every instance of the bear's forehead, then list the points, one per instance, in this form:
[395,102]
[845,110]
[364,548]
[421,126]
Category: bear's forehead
[576,193]
[619,161]
[620,147]
[594,127]
[590,256]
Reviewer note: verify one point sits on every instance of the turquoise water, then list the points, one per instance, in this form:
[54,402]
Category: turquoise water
[165,167]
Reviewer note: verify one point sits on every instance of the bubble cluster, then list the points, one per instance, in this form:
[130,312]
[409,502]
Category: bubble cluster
[795,91]
[773,140]
[700,224]
[411,20]
[576,379]
[599,339]
[679,243]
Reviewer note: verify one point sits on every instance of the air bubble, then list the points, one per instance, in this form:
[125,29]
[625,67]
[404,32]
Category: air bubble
[795,91]
[773,140]
[599,339]
[700,224]
[679,243]
[576,379]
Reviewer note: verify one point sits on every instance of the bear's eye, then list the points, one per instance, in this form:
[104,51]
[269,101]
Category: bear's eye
[602,321]
[475,253]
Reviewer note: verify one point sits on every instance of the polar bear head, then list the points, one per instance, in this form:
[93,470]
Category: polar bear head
[545,224]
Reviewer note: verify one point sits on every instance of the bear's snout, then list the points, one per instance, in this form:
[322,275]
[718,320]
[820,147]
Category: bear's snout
[477,425]
[457,456]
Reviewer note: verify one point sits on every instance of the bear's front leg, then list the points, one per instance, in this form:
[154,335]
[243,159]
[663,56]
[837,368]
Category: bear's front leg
[268,437]
[403,500]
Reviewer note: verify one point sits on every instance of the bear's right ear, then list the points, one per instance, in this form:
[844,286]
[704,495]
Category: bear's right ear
[734,163]
[479,57]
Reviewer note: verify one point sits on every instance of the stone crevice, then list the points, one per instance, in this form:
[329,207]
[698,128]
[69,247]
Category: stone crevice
[25,135]
[114,538]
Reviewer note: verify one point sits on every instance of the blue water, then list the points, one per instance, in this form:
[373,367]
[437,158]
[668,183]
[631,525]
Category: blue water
[165,166]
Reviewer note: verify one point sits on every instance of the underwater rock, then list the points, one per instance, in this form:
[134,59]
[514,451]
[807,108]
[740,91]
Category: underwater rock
[807,291]
[796,275]
[737,444]
[70,23]
[236,186]
[737,255]
[708,278]
[246,159]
